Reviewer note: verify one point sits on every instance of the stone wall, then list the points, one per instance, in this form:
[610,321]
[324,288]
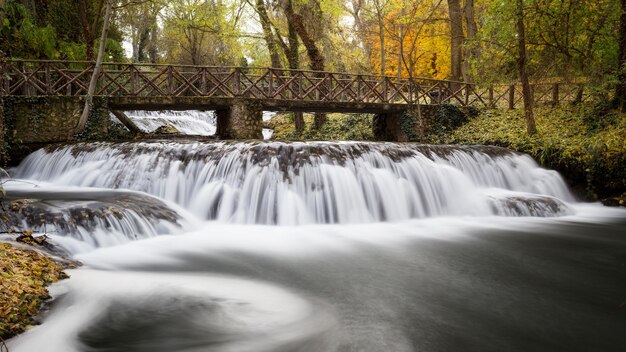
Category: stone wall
[33,122]
[3,141]
[412,125]
[243,120]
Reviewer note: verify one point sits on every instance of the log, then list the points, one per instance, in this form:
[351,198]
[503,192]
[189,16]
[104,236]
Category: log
[126,121]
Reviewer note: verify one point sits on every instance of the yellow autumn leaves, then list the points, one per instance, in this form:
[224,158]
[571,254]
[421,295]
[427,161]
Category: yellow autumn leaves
[24,274]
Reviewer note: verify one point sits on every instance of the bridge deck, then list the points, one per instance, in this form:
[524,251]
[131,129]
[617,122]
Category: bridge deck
[157,103]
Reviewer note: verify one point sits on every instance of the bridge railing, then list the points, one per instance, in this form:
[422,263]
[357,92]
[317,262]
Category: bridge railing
[71,78]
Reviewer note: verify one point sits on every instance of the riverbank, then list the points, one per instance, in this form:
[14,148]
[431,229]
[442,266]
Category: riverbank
[24,275]
[338,127]
[586,144]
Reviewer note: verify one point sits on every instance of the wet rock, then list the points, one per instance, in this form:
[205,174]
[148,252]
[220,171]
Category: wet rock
[166,129]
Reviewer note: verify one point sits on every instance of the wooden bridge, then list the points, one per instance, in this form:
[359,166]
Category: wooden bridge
[134,86]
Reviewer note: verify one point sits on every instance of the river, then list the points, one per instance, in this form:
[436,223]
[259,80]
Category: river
[191,245]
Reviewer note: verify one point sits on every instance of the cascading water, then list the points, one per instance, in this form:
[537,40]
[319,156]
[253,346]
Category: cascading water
[302,183]
[190,122]
[224,246]
[201,123]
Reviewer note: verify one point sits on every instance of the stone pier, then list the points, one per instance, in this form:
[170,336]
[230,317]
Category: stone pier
[241,120]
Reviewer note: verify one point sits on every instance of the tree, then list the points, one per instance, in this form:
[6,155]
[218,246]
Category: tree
[200,32]
[620,93]
[472,47]
[380,7]
[456,40]
[90,13]
[140,24]
[316,60]
[270,39]
[521,64]
[96,71]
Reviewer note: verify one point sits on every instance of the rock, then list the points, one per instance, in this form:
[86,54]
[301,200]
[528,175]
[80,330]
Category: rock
[619,201]
[166,129]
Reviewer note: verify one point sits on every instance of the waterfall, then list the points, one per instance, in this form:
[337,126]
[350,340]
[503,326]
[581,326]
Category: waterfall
[190,122]
[372,247]
[314,182]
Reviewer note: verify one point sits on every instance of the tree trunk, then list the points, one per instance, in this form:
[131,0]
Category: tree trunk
[296,20]
[381,36]
[521,65]
[88,35]
[456,40]
[473,48]
[96,71]
[315,57]
[620,93]
[272,47]
[326,41]
[152,47]
[294,63]
[361,30]
[401,44]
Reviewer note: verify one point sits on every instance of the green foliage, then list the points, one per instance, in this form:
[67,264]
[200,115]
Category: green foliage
[447,118]
[337,127]
[565,40]
[592,157]
[600,115]
[408,125]
[21,37]
[56,33]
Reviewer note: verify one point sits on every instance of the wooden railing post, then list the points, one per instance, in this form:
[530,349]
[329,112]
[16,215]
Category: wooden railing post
[170,80]
[48,83]
[203,87]
[512,97]
[270,88]
[237,82]
[579,94]
[490,90]
[467,93]
[133,79]
[555,94]
[329,91]
[4,82]
[385,90]
[300,85]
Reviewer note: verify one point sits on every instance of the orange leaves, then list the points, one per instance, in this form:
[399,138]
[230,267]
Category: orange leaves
[416,39]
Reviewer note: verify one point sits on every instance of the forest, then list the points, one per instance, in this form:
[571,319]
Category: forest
[482,41]
[169,217]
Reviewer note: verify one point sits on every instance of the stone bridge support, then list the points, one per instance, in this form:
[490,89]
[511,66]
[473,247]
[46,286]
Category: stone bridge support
[410,125]
[242,120]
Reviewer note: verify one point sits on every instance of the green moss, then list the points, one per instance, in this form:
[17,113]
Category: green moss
[97,122]
[337,127]
[589,150]
[408,125]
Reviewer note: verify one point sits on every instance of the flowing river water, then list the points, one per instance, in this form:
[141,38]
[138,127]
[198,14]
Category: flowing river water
[193,245]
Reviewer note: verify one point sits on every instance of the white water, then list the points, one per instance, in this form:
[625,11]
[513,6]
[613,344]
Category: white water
[303,183]
[190,122]
[379,247]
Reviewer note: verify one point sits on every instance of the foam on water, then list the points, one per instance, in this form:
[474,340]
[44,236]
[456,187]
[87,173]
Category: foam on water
[381,247]
[302,183]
